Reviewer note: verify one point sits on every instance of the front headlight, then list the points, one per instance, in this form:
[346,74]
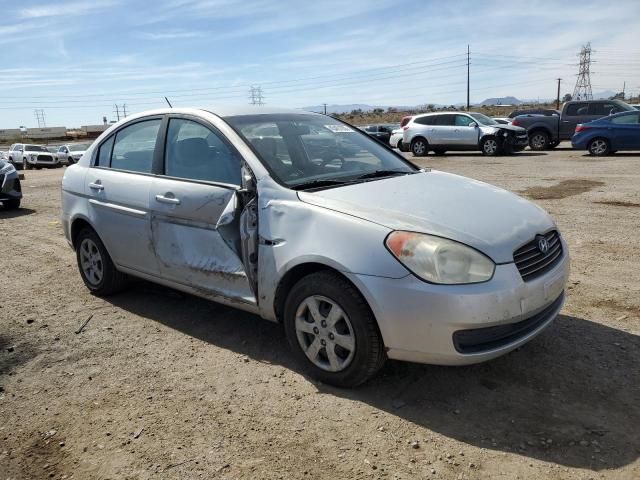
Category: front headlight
[439,260]
[8,168]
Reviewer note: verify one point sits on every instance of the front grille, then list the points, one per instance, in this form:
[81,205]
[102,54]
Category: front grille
[480,340]
[532,262]
[45,158]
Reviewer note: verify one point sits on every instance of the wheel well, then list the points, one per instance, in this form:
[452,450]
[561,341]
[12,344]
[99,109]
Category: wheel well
[540,130]
[419,137]
[293,276]
[76,227]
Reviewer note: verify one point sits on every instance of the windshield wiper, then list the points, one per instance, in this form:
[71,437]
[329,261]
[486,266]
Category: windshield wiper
[384,173]
[317,184]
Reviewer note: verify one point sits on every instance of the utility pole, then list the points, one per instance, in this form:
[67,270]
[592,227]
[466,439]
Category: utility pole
[558,96]
[325,108]
[468,57]
[582,90]
[624,87]
[117,112]
[124,110]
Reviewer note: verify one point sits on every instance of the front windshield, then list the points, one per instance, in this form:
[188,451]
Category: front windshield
[301,149]
[35,148]
[483,119]
[81,147]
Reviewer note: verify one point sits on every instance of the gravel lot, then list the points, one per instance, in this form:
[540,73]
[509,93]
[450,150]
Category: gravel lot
[163,385]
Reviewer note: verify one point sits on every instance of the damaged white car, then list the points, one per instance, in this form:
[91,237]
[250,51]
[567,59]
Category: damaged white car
[307,221]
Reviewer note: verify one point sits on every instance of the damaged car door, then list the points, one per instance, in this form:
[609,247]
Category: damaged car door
[196,210]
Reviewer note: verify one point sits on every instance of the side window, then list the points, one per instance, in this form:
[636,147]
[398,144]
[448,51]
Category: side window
[462,121]
[195,152]
[572,110]
[445,120]
[627,119]
[424,120]
[134,145]
[104,153]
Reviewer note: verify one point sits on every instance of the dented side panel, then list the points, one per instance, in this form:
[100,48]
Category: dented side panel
[293,233]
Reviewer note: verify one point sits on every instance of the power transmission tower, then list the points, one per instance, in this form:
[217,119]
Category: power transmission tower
[255,96]
[582,90]
[39,113]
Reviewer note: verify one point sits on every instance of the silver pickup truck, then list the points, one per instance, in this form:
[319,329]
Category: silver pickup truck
[547,131]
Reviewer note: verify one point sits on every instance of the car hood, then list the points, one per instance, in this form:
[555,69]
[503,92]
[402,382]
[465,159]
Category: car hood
[511,128]
[77,152]
[488,218]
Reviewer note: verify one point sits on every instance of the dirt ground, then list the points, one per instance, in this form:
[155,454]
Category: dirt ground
[163,385]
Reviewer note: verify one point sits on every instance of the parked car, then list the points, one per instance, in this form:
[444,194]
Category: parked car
[381,132]
[609,134]
[396,138]
[547,131]
[71,153]
[533,111]
[439,132]
[10,189]
[27,156]
[359,254]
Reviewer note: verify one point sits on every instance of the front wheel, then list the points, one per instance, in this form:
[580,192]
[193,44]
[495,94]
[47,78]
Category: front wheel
[332,331]
[599,147]
[419,147]
[26,165]
[96,267]
[490,147]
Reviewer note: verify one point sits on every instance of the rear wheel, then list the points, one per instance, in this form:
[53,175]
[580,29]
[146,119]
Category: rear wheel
[539,140]
[332,331]
[96,267]
[13,204]
[599,147]
[490,146]
[419,147]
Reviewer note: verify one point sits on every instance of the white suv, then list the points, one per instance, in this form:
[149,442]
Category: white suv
[26,156]
[440,132]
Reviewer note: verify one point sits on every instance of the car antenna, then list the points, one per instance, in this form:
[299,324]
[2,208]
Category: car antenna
[168,102]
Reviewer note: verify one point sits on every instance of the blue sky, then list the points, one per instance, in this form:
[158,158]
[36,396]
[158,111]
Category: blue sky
[76,59]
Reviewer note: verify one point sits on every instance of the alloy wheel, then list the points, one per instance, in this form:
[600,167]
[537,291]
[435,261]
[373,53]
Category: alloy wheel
[419,147]
[490,146]
[325,333]
[538,141]
[91,262]
[598,147]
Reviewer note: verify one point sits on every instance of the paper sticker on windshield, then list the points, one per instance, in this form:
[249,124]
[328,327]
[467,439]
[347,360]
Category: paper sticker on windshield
[336,128]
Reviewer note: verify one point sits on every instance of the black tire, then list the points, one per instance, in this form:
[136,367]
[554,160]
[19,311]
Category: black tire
[399,145]
[439,151]
[368,354]
[539,140]
[112,280]
[599,147]
[18,166]
[26,165]
[12,204]
[419,147]
[490,146]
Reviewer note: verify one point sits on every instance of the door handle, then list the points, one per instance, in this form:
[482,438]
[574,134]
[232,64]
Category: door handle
[96,185]
[171,200]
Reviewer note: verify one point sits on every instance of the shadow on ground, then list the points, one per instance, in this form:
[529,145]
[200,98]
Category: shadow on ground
[578,383]
[20,212]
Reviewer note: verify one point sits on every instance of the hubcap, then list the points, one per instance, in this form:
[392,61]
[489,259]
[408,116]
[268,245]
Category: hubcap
[325,333]
[538,141]
[419,148]
[598,146]
[490,146]
[91,261]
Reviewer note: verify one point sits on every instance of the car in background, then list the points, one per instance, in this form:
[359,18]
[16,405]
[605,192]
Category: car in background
[28,156]
[396,139]
[359,254]
[381,132]
[72,152]
[637,107]
[533,111]
[439,132]
[547,131]
[609,134]
[10,188]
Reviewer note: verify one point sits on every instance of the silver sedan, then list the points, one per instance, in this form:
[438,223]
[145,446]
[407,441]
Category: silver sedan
[304,220]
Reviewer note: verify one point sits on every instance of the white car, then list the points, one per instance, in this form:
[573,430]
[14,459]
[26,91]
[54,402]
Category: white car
[361,255]
[27,156]
[72,153]
[439,132]
[396,138]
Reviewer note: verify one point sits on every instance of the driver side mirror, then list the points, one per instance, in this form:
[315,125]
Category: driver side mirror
[473,124]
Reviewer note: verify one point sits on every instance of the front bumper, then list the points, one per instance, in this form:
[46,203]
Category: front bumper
[10,188]
[421,322]
[42,162]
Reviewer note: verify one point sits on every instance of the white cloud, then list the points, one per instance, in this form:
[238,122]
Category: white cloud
[170,35]
[64,9]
